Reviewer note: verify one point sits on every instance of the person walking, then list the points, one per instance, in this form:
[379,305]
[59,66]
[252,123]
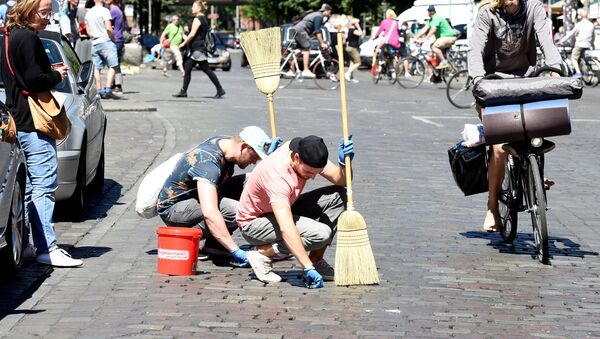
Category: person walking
[584,39]
[445,35]
[26,68]
[278,219]
[118,25]
[104,50]
[201,192]
[503,39]
[174,33]
[352,48]
[195,41]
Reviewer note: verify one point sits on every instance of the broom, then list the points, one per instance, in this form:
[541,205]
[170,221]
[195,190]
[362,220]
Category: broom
[354,260]
[263,50]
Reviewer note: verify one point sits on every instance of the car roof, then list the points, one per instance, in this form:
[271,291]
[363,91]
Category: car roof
[50,35]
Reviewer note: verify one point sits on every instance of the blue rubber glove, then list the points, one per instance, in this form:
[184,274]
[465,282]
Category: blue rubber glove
[347,149]
[274,144]
[241,257]
[312,278]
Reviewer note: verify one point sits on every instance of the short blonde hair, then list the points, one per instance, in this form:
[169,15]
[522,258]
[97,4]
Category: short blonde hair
[202,4]
[20,14]
[390,14]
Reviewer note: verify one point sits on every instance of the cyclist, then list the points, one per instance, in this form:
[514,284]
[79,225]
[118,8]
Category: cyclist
[584,31]
[503,41]
[445,35]
[309,25]
[391,43]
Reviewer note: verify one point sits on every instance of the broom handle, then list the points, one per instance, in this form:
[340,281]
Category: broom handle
[271,114]
[348,168]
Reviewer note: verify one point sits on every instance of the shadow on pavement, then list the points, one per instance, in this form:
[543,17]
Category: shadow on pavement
[525,244]
[96,205]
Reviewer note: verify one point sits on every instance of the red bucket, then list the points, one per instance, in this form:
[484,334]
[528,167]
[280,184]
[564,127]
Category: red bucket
[178,250]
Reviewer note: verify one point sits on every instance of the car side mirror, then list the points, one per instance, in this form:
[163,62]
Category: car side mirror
[84,78]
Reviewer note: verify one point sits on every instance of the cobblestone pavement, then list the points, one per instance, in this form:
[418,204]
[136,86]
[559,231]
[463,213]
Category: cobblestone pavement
[441,276]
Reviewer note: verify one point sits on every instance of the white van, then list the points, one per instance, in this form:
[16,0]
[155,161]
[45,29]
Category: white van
[458,11]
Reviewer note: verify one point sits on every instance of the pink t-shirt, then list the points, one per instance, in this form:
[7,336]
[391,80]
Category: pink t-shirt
[273,180]
[385,27]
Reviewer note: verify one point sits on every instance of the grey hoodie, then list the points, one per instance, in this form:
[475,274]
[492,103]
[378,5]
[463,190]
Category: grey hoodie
[507,44]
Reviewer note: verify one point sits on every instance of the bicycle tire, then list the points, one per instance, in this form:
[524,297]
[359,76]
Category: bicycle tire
[285,66]
[323,78]
[588,77]
[412,74]
[508,202]
[537,208]
[458,90]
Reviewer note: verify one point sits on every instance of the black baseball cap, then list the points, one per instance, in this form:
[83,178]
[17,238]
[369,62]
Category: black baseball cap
[431,8]
[311,149]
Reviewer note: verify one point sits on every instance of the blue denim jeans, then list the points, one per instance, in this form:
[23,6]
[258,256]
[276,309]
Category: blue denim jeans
[42,181]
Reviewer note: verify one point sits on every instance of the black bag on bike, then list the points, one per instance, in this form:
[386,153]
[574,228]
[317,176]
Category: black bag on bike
[469,167]
[494,92]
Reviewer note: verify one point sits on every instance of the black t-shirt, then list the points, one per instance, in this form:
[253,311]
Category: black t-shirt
[197,43]
[353,39]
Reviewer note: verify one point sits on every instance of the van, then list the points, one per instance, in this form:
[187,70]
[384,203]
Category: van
[457,11]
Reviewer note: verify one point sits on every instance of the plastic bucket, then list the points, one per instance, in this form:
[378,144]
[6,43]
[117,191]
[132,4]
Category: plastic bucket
[178,250]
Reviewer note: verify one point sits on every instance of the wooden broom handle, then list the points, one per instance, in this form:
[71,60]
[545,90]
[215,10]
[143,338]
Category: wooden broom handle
[271,114]
[348,168]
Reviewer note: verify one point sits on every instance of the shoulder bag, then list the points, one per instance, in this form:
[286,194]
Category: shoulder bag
[47,107]
[469,167]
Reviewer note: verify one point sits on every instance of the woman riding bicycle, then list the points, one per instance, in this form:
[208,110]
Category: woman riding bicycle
[503,41]
[390,43]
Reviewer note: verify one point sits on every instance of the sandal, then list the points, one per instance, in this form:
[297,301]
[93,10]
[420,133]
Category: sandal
[548,183]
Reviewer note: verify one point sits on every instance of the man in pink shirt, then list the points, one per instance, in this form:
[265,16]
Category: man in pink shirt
[278,219]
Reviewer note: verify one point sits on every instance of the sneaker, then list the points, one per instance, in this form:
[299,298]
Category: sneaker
[289,74]
[333,77]
[354,81]
[407,75]
[308,74]
[324,269]
[58,258]
[118,90]
[393,75]
[180,94]
[347,77]
[109,95]
[577,75]
[29,253]
[213,247]
[262,267]
[443,64]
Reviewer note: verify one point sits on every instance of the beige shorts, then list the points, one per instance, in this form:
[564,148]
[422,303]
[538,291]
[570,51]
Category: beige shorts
[444,42]
[577,53]
[353,54]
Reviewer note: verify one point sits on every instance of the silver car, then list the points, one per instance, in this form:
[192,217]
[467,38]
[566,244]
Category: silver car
[12,196]
[81,153]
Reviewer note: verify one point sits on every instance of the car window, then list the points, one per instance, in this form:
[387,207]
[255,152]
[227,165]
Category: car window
[72,59]
[54,56]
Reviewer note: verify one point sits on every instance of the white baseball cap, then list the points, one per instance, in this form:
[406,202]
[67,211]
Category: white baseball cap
[257,139]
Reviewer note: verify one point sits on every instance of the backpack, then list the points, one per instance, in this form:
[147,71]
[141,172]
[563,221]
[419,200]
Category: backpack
[298,17]
[209,39]
[147,195]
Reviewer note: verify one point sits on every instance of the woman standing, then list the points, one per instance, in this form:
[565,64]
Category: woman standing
[195,40]
[33,73]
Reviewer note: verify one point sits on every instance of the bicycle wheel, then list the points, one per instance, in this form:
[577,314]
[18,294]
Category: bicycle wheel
[537,208]
[328,77]
[285,80]
[410,72]
[458,90]
[508,202]
[588,75]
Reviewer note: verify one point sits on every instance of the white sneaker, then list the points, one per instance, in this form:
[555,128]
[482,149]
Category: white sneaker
[324,269]
[58,258]
[288,74]
[354,81]
[407,75]
[308,74]
[29,253]
[262,267]
[347,76]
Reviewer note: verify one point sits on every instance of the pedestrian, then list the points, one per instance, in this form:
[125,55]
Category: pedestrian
[201,192]
[104,51]
[174,33]
[118,26]
[198,53]
[302,31]
[60,22]
[445,36]
[26,67]
[353,43]
[503,39]
[278,219]
[584,39]
[4,10]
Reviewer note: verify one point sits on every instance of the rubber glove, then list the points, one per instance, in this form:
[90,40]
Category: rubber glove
[241,257]
[345,149]
[312,278]
[274,144]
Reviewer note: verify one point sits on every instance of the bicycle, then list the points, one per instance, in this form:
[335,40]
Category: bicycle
[416,64]
[325,69]
[383,67]
[589,66]
[459,90]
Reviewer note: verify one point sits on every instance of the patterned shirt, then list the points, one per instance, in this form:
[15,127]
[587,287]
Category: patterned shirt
[205,162]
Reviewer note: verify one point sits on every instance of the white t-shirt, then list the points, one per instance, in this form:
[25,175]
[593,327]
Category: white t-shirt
[59,23]
[95,19]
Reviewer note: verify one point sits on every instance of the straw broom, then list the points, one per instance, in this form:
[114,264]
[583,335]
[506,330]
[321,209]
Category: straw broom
[354,260]
[263,50]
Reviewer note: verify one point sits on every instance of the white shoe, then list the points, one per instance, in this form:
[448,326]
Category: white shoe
[324,269]
[347,76]
[354,81]
[262,267]
[308,74]
[288,74]
[29,253]
[407,75]
[58,258]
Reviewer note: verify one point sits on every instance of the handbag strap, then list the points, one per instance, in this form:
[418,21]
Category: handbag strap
[8,60]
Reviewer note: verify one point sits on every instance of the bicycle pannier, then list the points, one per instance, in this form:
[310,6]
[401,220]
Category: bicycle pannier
[469,168]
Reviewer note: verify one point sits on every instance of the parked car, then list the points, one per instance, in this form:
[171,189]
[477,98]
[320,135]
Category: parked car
[81,153]
[220,58]
[12,197]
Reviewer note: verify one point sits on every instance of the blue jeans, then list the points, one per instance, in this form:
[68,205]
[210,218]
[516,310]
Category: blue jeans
[105,54]
[42,181]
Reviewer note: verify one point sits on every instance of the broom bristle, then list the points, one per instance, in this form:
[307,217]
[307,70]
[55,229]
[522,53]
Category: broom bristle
[354,260]
[263,51]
